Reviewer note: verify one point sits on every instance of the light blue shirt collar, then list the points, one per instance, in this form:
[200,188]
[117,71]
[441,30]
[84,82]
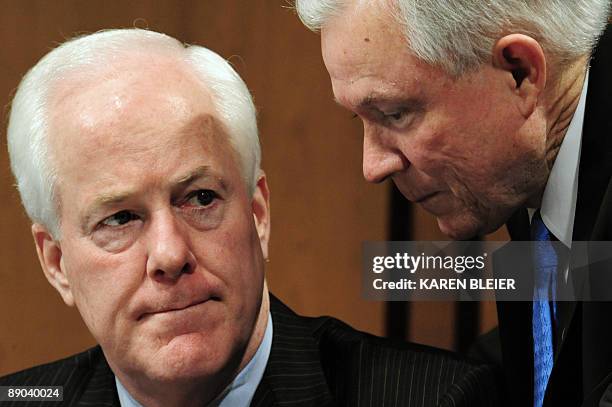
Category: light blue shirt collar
[241,391]
[559,200]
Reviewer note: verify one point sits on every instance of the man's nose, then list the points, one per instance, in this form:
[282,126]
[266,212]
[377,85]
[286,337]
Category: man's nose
[170,253]
[380,160]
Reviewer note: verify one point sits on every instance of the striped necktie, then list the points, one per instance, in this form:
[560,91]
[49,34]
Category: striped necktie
[545,268]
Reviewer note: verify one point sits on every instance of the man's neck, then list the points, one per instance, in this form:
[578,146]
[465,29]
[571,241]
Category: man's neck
[562,100]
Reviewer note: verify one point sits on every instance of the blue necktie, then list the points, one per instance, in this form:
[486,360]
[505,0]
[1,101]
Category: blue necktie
[545,262]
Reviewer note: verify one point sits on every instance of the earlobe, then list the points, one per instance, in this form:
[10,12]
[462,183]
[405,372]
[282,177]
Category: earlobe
[50,256]
[524,60]
[261,212]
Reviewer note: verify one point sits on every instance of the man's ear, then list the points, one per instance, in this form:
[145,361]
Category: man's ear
[50,257]
[523,58]
[261,212]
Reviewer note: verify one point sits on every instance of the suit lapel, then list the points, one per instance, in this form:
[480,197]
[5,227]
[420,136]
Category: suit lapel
[514,319]
[91,382]
[596,155]
[294,372]
[586,357]
[518,226]
[101,389]
[565,382]
[601,396]
[517,350]
[593,215]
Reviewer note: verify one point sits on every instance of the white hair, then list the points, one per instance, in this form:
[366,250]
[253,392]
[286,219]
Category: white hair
[458,35]
[87,56]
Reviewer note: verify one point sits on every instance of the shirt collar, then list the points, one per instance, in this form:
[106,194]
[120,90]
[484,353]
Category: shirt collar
[559,200]
[241,391]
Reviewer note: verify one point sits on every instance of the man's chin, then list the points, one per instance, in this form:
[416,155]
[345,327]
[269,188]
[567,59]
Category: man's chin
[466,227]
[184,358]
[457,228]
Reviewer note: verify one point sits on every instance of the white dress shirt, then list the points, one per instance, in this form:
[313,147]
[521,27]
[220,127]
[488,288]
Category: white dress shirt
[558,207]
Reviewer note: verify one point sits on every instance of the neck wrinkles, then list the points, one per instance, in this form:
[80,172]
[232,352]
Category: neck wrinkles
[564,96]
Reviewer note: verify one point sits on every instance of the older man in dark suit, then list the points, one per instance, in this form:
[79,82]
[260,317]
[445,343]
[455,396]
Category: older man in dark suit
[479,111]
[138,160]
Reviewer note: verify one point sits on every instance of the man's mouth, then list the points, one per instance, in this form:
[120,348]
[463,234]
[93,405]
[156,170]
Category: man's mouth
[426,197]
[177,307]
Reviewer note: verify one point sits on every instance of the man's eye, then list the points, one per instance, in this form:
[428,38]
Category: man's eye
[397,119]
[202,197]
[119,218]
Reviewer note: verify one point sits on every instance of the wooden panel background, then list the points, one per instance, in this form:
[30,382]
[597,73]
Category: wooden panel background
[322,210]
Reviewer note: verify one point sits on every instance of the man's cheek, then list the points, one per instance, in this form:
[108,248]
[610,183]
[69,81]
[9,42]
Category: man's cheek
[466,197]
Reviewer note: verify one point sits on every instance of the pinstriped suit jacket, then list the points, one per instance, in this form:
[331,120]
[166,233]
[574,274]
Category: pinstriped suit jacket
[314,362]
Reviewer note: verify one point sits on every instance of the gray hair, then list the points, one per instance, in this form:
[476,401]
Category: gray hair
[458,35]
[28,126]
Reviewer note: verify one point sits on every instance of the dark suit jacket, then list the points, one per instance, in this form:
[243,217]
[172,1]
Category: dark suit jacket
[314,362]
[582,370]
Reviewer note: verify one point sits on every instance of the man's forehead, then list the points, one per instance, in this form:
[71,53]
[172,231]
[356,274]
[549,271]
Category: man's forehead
[135,113]
[368,59]
[137,140]
[360,30]
[365,42]
[108,95]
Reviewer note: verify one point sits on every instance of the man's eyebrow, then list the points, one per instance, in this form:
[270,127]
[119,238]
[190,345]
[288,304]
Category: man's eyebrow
[111,199]
[366,102]
[202,171]
[376,98]
[115,198]
[102,201]
[407,103]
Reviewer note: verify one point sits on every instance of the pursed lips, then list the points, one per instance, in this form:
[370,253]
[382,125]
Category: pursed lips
[175,307]
[426,197]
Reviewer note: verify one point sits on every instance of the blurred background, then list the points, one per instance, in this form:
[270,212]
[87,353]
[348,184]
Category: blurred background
[322,209]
